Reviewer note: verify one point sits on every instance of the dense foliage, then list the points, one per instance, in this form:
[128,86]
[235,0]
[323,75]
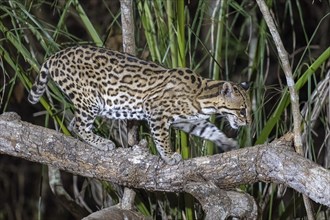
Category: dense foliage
[219,39]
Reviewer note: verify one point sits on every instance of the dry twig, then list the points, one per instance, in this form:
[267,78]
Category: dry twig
[283,55]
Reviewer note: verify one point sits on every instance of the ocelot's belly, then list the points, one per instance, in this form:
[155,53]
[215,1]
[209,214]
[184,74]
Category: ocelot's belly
[123,112]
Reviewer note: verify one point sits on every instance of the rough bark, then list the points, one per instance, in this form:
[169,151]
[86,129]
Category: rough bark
[115,213]
[137,168]
[222,204]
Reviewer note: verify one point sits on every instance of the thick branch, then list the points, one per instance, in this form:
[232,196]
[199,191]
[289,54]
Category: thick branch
[135,167]
[223,204]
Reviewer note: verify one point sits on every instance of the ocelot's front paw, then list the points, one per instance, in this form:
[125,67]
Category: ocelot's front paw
[172,159]
[226,144]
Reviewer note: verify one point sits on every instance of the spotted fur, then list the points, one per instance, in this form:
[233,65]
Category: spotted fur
[102,82]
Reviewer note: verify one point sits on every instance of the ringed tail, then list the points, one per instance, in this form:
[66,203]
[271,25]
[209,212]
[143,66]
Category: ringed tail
[39,85]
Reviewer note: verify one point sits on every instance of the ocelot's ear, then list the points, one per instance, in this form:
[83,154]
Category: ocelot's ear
[227,89]
[245,85]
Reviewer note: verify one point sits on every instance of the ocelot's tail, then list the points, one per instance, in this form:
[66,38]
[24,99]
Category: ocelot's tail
[39,85]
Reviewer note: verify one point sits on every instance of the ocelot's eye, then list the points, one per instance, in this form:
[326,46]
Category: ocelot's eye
[242,112]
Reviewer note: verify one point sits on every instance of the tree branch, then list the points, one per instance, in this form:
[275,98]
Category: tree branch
[129,46]
[284,58]
[136,167]
[127,21]
[222,204]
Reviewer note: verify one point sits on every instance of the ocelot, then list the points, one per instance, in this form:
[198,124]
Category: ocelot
[102,82]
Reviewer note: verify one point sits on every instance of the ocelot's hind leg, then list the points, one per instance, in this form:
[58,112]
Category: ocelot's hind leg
[82,125]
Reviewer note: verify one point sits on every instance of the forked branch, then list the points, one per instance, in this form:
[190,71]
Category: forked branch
[137,168]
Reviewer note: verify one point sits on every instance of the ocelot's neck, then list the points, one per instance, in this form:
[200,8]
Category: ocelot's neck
[211,99]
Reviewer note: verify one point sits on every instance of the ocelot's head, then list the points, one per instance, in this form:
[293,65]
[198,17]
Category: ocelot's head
[234,102]
[230,100]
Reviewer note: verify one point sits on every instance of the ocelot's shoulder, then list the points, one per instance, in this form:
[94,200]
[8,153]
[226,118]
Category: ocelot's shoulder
[181,71]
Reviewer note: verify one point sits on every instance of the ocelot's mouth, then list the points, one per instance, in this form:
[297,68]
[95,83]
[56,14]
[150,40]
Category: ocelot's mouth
[235,125]
[234,122]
